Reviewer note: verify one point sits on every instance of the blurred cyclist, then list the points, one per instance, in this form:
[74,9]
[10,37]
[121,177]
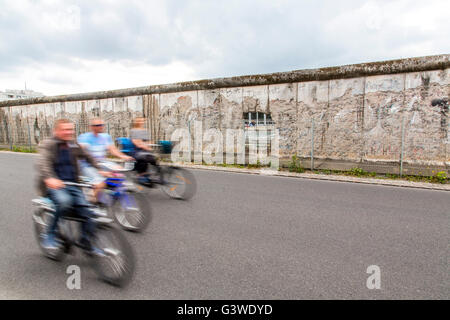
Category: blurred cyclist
[98,144]
[142,154]
[58,163]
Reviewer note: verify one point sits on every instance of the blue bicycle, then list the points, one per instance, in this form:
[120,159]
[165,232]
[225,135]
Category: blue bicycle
[123,201]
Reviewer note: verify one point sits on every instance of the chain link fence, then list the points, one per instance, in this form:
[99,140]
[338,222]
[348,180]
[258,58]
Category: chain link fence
[399,141]
[25,135]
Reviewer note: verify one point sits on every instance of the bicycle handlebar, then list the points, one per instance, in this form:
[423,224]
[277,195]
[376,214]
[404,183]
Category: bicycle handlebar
[129,166]
[76,184]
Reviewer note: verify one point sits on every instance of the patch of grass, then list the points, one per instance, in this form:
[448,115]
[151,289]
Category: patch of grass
[323,171]
[295,166]
[20,149]
[232,165]
[439,177]
[357,172]
[255,166]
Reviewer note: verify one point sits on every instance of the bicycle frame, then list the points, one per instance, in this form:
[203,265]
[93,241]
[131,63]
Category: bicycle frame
[116,187]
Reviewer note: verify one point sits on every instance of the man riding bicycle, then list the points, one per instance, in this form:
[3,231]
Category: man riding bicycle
[98,143]
[58,163]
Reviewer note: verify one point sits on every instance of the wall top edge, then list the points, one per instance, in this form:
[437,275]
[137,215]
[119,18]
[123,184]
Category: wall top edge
[416,64]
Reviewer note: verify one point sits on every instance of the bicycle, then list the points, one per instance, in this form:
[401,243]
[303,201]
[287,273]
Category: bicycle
[116,262]
[129,207]
[176,182]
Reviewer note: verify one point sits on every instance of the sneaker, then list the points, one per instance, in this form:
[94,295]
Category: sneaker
[97,252]
[49,242]
[90,249]
[100,211]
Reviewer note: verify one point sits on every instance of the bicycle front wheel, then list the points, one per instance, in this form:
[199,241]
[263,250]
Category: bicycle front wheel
[132,211]
[115,261]
[179,183]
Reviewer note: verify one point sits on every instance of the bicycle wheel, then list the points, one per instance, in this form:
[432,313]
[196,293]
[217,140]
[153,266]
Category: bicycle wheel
[41,221]
[116,262]
[131,211]
[180,183]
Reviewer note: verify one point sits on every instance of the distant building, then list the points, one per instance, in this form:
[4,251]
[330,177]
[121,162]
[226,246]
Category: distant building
[19,94]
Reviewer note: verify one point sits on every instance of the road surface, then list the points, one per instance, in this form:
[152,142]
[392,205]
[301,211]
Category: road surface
[248,237]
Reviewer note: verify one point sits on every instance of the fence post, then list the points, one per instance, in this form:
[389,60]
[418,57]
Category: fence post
[402,146]
[29,136]
[9,136]
[312,144]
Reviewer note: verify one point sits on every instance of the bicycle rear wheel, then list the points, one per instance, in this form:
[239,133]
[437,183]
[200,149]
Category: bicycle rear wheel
[132,211]
[180,183]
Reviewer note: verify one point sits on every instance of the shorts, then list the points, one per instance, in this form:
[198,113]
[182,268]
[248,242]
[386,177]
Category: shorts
[91,174]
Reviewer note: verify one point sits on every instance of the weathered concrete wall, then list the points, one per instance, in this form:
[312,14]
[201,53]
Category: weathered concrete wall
[358,112]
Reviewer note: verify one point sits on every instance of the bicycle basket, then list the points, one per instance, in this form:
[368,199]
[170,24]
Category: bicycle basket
[166,146]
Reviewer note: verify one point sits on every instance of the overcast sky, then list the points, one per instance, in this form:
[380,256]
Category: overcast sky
[60,47]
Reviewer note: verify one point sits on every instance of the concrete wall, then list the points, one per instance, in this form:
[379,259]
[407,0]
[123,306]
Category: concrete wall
[358,112]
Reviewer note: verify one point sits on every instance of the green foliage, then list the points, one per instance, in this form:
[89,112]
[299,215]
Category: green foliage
[440,177]
[295,166]
[257,165]
[358,172]
[23,149]
[233,165]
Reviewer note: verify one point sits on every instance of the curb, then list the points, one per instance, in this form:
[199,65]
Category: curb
[311,176]
[25,153]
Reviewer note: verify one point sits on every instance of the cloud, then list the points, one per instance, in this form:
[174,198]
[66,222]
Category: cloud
[60,47]
[93,75]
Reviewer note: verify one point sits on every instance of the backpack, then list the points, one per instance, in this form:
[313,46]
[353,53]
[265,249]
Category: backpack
[126,146]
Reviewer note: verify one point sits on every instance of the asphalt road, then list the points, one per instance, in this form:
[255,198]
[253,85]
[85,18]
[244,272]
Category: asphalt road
[248,237]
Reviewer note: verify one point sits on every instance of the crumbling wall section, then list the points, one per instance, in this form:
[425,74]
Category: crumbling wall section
[365,113]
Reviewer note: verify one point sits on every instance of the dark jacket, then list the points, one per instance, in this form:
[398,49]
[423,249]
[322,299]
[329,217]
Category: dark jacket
[48,153]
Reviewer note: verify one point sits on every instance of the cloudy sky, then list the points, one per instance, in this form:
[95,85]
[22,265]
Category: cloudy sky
[71,46]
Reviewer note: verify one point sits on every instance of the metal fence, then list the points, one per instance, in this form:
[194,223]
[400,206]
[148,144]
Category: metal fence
[398,145]
[412,150]
[25,135]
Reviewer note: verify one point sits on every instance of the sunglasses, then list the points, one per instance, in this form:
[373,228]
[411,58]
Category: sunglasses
[97,125]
